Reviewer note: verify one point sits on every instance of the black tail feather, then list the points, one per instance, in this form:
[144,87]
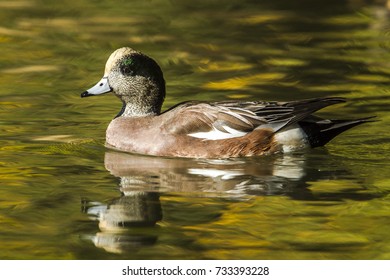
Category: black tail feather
[321,132]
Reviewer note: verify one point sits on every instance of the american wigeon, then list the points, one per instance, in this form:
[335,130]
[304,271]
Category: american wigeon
[202,129]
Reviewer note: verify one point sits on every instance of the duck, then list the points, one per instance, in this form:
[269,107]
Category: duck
[198,129]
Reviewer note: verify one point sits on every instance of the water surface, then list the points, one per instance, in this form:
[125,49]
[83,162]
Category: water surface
[63,195]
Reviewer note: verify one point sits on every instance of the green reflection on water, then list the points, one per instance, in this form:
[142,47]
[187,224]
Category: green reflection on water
[59,185]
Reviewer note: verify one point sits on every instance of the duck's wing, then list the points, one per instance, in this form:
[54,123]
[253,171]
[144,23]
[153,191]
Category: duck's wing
[284,113]
[222,120]
[209,121]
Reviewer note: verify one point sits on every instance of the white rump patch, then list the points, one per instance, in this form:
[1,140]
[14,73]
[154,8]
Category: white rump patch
[292,139]
[216,134]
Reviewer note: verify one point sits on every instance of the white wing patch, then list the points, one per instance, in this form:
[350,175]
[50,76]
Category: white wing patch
[216,134]
[215,173]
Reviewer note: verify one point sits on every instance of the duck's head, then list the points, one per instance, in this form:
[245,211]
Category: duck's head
[136,79]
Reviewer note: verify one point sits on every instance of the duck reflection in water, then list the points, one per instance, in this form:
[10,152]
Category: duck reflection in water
[121,221]
[125,222]
[234,178]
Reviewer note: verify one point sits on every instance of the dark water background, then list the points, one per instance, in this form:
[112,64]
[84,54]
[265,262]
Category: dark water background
[63,195]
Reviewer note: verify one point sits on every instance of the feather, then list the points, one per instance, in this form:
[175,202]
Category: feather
[229,119]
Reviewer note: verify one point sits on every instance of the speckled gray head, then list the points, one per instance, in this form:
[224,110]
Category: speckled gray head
[136,79]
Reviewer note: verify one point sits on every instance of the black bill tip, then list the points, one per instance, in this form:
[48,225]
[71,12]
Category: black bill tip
[85,94]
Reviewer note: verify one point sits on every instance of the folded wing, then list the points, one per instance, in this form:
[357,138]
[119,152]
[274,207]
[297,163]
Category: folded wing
[222,120]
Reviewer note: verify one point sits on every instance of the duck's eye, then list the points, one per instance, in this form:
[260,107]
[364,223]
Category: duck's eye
[127,67]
